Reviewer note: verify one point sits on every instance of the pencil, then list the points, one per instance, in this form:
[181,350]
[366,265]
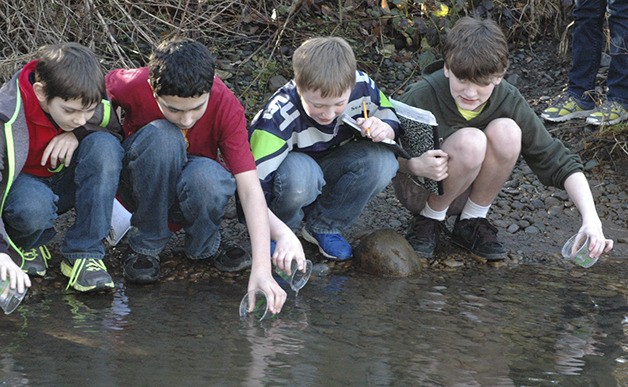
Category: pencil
[366,115]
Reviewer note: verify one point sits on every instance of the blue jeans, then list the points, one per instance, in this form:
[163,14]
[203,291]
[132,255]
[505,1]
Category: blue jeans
[88,185]
[588,44]
[161,184]
[336,186]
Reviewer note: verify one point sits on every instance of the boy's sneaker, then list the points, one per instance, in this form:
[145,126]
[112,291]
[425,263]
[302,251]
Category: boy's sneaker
[231,258]
[141,268]
[424,234]
[87,274]
[332,246]
[565,108]
[35,260]
[479,237]
[609,113]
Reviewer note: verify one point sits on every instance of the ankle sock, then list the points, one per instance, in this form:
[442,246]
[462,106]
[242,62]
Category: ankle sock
[472,210]
[428,212]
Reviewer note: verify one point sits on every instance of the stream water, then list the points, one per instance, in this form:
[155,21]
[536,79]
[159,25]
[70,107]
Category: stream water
[533,325]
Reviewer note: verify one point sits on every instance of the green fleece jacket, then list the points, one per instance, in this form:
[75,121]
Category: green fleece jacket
[548,157]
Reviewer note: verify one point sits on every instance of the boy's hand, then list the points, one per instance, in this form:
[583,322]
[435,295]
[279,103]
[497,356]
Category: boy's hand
[288,248]
[431,164]
[60,150]
[276,296]
[17,278]
[375,129]
[598,244]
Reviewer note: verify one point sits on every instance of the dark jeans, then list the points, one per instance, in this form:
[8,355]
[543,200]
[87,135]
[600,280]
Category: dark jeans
[88,185]
[588,44]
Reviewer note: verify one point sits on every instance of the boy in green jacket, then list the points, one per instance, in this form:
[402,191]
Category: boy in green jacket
[485,124]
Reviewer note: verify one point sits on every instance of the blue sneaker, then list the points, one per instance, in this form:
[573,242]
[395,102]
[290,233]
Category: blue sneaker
[332,246]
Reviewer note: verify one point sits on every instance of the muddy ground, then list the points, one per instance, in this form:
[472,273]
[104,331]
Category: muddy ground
[533,220]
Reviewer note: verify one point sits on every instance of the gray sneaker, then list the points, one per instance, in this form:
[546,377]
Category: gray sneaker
[87,275]
[35,260]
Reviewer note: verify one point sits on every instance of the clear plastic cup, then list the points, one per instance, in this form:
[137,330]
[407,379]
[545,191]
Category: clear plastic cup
[577,249]
[297,279]
[9,298]
[254,305]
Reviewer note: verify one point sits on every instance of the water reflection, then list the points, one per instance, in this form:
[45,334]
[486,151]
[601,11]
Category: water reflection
[523,326]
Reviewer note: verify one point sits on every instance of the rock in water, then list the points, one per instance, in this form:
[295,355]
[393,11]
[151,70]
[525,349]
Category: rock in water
[386,253]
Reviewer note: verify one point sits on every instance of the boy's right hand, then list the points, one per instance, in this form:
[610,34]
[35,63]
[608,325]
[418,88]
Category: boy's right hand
[17,278]
[431,164]
[60,150]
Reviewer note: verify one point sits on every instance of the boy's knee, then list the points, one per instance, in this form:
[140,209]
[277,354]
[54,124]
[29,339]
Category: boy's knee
[504,137]
[31,216]
[468,145]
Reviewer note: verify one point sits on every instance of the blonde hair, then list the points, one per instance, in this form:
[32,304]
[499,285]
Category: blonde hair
[476,50]
[326,64]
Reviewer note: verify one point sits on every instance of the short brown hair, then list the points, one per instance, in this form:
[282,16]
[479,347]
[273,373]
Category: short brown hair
[326,64]
[476,50]
[70,71]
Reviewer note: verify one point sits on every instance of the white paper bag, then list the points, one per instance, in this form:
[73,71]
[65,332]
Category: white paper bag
[120,223]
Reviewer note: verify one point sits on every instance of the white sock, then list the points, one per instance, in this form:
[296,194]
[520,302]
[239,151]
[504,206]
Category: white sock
[428,212]
[472,210]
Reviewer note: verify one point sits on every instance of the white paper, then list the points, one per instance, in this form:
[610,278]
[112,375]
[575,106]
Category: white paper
[414,113]
[120,223]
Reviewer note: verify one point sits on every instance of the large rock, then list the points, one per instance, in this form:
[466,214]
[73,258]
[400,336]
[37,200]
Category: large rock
[386,253]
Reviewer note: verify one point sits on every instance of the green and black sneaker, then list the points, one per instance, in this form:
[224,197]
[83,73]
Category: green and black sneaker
[35,260]
[565,108]
[87,275]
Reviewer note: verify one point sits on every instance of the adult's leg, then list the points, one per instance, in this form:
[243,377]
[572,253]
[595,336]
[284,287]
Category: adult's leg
[618,70]
[587,45]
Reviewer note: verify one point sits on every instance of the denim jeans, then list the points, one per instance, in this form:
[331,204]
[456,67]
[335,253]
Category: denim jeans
[588,44]
[334,187]
[161,184]
[88,185]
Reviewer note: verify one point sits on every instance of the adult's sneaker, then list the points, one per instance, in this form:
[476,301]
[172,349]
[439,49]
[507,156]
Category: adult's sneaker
[565,108]
[332,246]
[141,268]
[35,260]
[609,113]
[231,258]
[478,236]
[87,274]
[424,235]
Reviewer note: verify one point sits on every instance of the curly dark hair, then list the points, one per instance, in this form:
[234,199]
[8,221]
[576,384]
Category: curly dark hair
[181,67]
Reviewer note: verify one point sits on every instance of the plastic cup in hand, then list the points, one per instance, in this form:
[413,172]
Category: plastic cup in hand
[577,250]
[9,298]
[254,305]
[297,279]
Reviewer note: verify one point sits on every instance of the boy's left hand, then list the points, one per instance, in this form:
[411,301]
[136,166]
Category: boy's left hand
[60,150]
[375,129]
[288,248]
